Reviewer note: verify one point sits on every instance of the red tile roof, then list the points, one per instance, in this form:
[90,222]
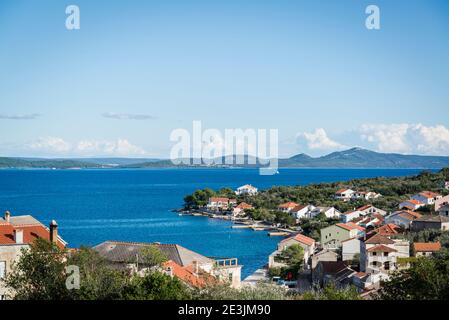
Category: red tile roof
[415,202]
[429,194]
[381,248]
[301,238]
[364,207]
[244,205]
[388,229]
[378,239]
[30,233]
[288,205]
[350,226]
[355,226]
[218,199]
[341,191]
[299,207]
[187,274]
[426,247]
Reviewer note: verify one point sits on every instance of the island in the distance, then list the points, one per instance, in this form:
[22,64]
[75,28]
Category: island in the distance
[352,158]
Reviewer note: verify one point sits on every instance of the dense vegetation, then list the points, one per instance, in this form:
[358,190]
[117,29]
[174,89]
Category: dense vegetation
[45,163]
[45,272]
[426,279]
[393,190]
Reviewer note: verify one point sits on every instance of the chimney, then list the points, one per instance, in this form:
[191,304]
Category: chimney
[53,231]
[7,216]
[18,236]
[196,267]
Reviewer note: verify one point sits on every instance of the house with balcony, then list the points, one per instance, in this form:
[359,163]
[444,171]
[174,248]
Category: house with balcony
[221,203]
[247,189]
[379,254]
[403,218]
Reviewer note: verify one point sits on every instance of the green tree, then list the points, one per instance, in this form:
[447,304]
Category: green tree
[98,280]
[39,274]
[152,256]
[156,286]
[426,279]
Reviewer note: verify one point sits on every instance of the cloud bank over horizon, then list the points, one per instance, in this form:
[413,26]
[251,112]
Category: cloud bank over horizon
[388,138]
[55,146]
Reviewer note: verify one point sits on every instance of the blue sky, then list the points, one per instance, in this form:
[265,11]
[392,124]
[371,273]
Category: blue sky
[136,70]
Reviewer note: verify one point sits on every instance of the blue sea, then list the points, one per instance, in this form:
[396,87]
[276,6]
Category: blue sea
[92,206]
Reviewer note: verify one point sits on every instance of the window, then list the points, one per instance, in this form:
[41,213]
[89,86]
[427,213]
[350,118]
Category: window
[375,263]
[2,269]
[385,254]
[374,253]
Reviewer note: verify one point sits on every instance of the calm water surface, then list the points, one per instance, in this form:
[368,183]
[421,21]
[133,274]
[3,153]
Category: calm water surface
[92,206]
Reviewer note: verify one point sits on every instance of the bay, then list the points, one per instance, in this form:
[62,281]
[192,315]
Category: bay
[92,206]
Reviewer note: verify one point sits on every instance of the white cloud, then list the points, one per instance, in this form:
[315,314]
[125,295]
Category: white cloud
[121,147]
[53,146]
[127,116]
[31,116]
[319,140]
[50,145]
[407,138]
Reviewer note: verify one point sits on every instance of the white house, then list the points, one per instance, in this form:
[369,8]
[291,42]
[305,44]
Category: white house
[240,209]
[349,248]
[411,204]
[304,211]
[246,189]
[344,194]
[329,212]
[370,209]
[427,197]
[287,207]
[350,215]
[220,203]
[378,254]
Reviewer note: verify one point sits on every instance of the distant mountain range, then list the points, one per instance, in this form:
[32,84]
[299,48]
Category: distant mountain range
[352,158]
